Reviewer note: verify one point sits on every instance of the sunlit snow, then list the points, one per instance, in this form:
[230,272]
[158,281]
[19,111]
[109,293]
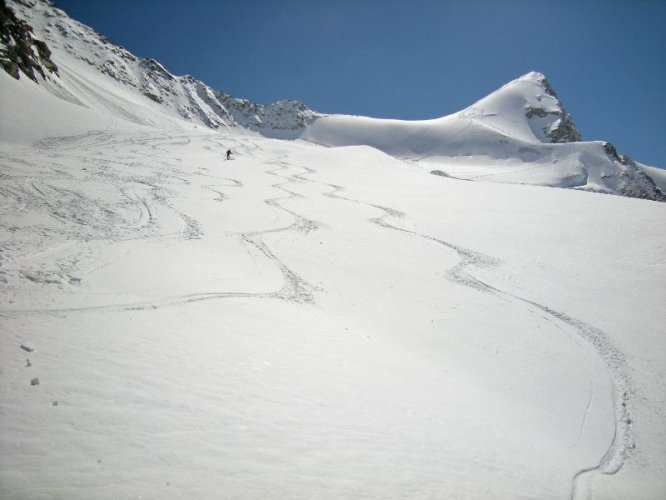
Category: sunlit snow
[319,317]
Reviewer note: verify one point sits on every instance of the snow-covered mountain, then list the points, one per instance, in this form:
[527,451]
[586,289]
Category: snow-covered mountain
[519,134]
[86,54]
[319,317]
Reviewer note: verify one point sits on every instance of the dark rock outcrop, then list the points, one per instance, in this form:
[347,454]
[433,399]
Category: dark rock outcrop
[20,51]
[563,128]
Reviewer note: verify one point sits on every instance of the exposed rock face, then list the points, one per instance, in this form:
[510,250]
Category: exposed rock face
[20,51]
[560,127]
[636,184]
[632,182]
[157,81]
[280,115]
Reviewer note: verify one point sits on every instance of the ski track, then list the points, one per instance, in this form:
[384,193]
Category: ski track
[622,445]
[295,288]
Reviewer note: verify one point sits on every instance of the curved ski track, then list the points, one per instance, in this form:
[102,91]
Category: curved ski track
[622,444]
[296,289]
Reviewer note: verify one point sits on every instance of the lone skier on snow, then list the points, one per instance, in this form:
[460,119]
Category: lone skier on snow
[228,154]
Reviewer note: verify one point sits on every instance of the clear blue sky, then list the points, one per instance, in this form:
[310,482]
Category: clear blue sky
[413,59]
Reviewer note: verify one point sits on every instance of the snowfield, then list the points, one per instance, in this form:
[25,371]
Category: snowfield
[320,317]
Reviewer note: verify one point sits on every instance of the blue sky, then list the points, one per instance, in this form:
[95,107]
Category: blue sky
[413,59]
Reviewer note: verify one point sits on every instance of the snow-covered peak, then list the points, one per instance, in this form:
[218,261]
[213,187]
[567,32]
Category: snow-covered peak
[528,109]
[518,134]
[533,75]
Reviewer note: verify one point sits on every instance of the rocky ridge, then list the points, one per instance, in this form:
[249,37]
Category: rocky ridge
[183,96]
[561,127]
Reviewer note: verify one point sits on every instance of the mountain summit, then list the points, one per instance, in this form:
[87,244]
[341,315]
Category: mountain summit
[520,133]
[527,109]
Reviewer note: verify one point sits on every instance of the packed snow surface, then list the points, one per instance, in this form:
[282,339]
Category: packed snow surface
[308,321]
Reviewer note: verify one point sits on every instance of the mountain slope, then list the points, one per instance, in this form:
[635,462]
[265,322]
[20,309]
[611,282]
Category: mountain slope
[519,134]
[85,55]
[316,322]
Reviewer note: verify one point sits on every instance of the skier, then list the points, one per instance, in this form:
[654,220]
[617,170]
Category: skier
[228,154]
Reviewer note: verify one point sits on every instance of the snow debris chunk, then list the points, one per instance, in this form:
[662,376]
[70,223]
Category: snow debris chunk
[27,346]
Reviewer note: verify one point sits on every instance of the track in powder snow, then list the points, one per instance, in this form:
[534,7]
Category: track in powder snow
[73,149]
[596,340]
[152,194]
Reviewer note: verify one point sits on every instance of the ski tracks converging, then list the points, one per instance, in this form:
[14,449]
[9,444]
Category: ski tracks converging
[155,191]
[143,197]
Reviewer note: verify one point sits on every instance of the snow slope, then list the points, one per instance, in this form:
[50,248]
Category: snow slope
[304,321]
[307,321]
